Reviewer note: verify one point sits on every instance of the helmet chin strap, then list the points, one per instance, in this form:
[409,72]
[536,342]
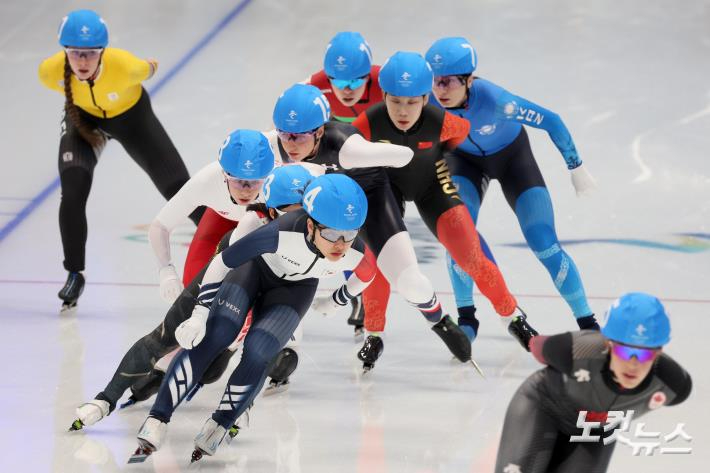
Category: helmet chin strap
[312,239]
[314,151]
[229,193]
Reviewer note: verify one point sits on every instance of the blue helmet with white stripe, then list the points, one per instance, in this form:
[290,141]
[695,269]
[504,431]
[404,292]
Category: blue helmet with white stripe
[348,56]
[285,185]
[452,57]
[336,201]
[301,108]
[246,154]
[406,74]
[83,29]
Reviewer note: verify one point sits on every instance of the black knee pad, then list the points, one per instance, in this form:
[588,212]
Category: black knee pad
[217,368]
[284,364]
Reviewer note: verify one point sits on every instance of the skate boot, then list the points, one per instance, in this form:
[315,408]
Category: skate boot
[150,437]
[455,339]
[145,387]
[71,291]
[468,322]
[520,329]
[357,316]
[209,439]
[588,322]
[284,365]
[370,352]
[90,413]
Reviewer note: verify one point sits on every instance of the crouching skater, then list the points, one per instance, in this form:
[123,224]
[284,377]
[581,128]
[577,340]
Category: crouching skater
[273,271]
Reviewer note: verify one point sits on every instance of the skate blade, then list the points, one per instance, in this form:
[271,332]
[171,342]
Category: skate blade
[197,455]
[76,425]
[68,309]
[478,368]
[359,335]
[276,389]
[140,455]
[367,367]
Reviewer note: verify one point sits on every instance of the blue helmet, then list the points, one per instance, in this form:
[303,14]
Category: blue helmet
[347,56]
[301,108]
[638,319]
[452,57]
[406,75]
[285,185]
[336,201]
[246,154]
[83,29]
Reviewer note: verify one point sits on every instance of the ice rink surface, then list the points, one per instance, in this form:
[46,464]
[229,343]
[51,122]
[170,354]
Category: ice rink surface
[630,79]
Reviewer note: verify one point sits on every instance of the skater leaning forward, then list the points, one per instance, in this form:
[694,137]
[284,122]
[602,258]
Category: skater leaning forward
[104,99]
[497,147]
[224,187]
[274,271]
[621,369]
[308,137]
[283,193]
[405,118]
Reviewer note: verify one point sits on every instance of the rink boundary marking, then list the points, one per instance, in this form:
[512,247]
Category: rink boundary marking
[38,199]
[448,293]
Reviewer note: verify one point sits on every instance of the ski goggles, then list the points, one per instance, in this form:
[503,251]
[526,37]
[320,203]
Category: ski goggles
[298,138]
[89,53]
[626,352]
[449,82]
[332,235]
[243,183]
[351,84]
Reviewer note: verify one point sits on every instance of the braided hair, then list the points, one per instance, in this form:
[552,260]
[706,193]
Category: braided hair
[72,111]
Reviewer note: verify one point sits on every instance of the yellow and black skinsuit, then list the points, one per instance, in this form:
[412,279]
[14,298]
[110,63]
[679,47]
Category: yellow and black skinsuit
[115,104]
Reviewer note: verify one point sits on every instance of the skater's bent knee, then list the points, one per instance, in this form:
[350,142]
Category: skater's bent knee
[413,285]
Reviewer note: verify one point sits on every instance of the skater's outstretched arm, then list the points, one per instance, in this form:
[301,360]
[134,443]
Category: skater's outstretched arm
[357,152]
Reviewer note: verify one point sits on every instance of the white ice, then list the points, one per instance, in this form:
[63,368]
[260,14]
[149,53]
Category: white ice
[630,79]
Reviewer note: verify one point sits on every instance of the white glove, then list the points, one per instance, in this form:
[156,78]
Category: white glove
[170,284]
[325,305]
[191,332]
[582,181]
